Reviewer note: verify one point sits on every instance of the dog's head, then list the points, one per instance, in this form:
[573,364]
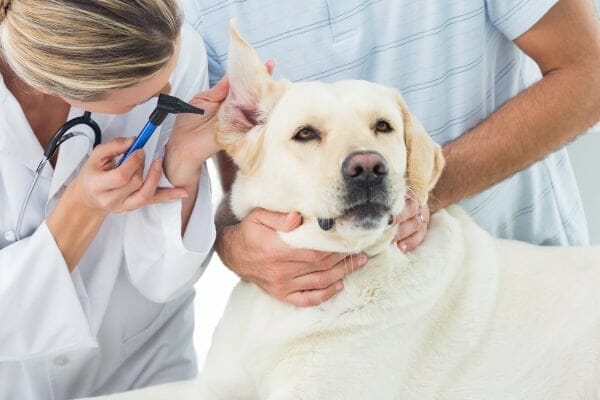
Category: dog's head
[344,155]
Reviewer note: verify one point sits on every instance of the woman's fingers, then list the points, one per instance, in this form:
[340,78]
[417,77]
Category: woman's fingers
[119,177]
[106,152]
[148,192]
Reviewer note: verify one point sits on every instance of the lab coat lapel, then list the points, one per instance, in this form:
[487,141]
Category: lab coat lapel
[71,156]
[17,140]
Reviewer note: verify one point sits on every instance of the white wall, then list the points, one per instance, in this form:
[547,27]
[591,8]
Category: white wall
[212,290]
[585,157]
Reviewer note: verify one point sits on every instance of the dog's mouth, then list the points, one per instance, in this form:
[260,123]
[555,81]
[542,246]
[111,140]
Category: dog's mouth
[367,215]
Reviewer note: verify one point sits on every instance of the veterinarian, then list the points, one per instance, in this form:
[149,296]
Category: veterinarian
[96,296]
[462,69]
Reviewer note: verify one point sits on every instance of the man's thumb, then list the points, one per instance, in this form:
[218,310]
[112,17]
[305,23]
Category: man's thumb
[282,222]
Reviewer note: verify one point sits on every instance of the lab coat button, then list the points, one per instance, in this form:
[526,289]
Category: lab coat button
[61,361]
[10,236]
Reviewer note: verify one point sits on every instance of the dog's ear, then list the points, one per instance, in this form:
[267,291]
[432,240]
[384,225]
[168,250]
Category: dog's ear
[425,160]
[252,95]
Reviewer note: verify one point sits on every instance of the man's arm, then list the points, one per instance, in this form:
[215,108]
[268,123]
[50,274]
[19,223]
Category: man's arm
[565,43]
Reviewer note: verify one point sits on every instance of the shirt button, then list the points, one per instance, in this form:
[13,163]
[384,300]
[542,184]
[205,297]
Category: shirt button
[10,236]
[61,361]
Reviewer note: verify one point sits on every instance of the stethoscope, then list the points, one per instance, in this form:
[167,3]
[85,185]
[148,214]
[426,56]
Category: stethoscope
[61,136]
[166,105]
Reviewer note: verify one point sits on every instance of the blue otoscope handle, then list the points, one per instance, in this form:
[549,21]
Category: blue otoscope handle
[140,141]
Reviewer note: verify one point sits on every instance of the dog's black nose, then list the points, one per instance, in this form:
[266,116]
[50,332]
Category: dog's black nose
[364,167]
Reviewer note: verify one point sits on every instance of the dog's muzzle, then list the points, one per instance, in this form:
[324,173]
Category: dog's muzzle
[366,193]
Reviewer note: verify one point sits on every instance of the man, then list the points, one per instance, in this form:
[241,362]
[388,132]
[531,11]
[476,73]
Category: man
[460,66]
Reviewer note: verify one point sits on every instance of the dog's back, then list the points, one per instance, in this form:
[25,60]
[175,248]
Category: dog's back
[466,317]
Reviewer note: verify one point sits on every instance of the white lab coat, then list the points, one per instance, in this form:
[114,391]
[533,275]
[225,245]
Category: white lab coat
[124,317]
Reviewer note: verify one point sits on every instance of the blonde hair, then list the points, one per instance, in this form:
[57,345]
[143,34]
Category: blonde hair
[80,49]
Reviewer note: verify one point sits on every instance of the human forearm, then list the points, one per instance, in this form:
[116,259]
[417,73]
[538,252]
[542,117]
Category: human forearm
[538,121]
[188,181]
[565,43]
[73,227]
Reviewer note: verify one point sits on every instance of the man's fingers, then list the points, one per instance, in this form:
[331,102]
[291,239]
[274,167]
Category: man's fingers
[408,228]
[412,242]
[270,64]
[411,209]
[311,298]
[310,261]
[324,279]
[277,221]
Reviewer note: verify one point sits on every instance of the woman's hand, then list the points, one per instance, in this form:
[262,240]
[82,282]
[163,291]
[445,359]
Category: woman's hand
[192,140]
[102,189]
[412,225]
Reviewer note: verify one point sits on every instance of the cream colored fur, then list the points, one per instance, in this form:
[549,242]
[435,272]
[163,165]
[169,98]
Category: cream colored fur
[465,316]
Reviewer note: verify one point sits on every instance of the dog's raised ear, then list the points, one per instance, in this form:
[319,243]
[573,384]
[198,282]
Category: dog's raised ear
[425,160]
[252,95]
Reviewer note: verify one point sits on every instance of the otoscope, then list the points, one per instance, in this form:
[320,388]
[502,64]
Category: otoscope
[166,105]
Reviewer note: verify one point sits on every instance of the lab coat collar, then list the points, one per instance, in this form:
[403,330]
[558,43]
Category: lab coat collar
[17,140]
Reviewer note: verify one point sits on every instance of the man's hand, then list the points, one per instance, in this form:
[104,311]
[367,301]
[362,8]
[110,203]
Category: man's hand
[254,251]
[412,225]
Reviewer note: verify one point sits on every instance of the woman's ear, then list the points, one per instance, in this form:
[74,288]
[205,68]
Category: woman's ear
[425,160]
[252,96]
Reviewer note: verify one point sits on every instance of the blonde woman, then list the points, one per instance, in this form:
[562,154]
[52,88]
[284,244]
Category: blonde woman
[96,296]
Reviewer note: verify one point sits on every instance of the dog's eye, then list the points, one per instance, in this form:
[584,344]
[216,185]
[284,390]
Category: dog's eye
[306,134]
[383,126]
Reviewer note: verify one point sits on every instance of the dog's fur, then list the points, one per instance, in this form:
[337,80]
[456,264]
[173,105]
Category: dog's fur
[465,316]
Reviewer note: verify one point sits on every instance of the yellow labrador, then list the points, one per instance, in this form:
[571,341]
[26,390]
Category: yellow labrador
[465,316]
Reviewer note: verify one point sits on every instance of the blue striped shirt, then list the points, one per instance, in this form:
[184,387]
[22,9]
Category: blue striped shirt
[453,61]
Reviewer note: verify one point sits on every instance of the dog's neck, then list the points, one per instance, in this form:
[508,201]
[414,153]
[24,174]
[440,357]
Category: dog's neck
[410,284]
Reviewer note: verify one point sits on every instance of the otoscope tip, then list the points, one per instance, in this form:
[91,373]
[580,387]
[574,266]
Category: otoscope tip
[173,105]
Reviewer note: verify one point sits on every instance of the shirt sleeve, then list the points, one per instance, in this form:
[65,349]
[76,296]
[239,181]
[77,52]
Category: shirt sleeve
[39,303]
[161,263]
[515,17]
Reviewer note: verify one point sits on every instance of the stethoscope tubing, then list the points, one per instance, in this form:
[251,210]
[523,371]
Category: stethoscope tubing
[61,136]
